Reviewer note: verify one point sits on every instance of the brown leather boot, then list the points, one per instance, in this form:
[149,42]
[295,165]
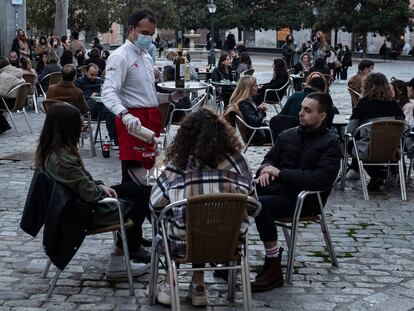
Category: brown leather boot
[271,275]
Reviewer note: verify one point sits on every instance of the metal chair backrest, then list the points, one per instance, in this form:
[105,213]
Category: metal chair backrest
[55,77]
[284,87]
[385,140]
[248,72]
[21,91]
[51,78]
[29,78]
[164,109]
[243,129]
[213,227]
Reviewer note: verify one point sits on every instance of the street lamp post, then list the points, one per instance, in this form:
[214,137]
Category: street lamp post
[212,9]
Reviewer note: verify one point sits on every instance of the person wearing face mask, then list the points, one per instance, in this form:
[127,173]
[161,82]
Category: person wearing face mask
[288,51]
[129,91]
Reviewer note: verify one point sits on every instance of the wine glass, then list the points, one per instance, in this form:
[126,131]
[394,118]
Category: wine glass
[233,76]
[148,161]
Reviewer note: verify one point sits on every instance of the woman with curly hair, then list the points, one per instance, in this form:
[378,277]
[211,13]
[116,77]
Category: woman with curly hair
[279,80]
[377,103]
[204,158]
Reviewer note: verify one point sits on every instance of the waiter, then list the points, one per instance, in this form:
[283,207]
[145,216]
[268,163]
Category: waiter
[129,92]
[129,89]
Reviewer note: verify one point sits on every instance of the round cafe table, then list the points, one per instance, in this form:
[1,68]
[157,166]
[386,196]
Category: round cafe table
[189,86]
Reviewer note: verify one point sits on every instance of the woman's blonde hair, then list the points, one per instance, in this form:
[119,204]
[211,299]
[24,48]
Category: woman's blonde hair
[376,87]
[243,90]
[171,55]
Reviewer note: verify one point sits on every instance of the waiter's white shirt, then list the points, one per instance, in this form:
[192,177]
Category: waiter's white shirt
[129,80]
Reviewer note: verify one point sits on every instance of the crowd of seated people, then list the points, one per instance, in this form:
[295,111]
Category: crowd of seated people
[204,161]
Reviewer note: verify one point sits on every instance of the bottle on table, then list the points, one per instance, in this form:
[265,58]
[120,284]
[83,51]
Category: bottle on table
[180,68]
[106,148]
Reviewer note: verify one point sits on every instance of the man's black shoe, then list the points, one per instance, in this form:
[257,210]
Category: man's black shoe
[222,274]
[146,242]
[374,184]
[140,255]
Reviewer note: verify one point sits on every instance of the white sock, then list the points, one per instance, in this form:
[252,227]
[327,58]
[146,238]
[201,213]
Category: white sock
[272,252]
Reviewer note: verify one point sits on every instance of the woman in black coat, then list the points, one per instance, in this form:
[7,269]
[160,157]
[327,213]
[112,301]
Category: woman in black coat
[279,80]
[225,71]
[346,62]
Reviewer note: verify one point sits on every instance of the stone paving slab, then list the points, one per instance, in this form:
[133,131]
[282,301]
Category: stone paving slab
[373,242]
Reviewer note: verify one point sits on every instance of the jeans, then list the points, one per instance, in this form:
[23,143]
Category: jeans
[277,206]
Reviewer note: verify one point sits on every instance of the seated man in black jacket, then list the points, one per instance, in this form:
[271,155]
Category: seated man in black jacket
[91,85]
[304,158]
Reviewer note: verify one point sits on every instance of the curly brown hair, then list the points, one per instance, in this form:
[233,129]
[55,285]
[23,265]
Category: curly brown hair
[376,87]
[205,136]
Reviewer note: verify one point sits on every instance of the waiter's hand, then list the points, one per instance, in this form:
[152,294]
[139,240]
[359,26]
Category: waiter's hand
[133,124]
[177,95]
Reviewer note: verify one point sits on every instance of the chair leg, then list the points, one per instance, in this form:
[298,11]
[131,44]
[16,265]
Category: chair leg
[363,180]
[244,283]
[402,180]
[90,132]
[291,252]
[52,286]
[46,269]
[410,168]
[126,257]
[344,166]
[27,120]
[35,103]
[287,236]
[328,240]
[153,276]
[175,297]
[14,124]
[231,283]
[247,298]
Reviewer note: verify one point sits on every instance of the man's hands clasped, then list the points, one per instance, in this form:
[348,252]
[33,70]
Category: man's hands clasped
[268,174]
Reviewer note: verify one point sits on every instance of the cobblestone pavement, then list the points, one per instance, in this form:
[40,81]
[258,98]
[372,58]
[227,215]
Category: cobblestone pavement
[373,242]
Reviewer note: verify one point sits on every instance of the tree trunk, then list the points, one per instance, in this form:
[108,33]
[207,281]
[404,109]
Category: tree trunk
[364,45]
[61,17]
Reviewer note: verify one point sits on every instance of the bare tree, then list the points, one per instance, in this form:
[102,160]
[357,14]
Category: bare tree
[61,17]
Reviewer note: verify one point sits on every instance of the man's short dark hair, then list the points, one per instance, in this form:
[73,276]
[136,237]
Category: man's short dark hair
[317,83]
[169,73]
[68,72]
[88,66]
[141,14]
[365,63]
[75,35]
[324,101]
[94,53]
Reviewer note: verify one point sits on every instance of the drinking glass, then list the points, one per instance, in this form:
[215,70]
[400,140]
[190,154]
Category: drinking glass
[233,75]
[148,161]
